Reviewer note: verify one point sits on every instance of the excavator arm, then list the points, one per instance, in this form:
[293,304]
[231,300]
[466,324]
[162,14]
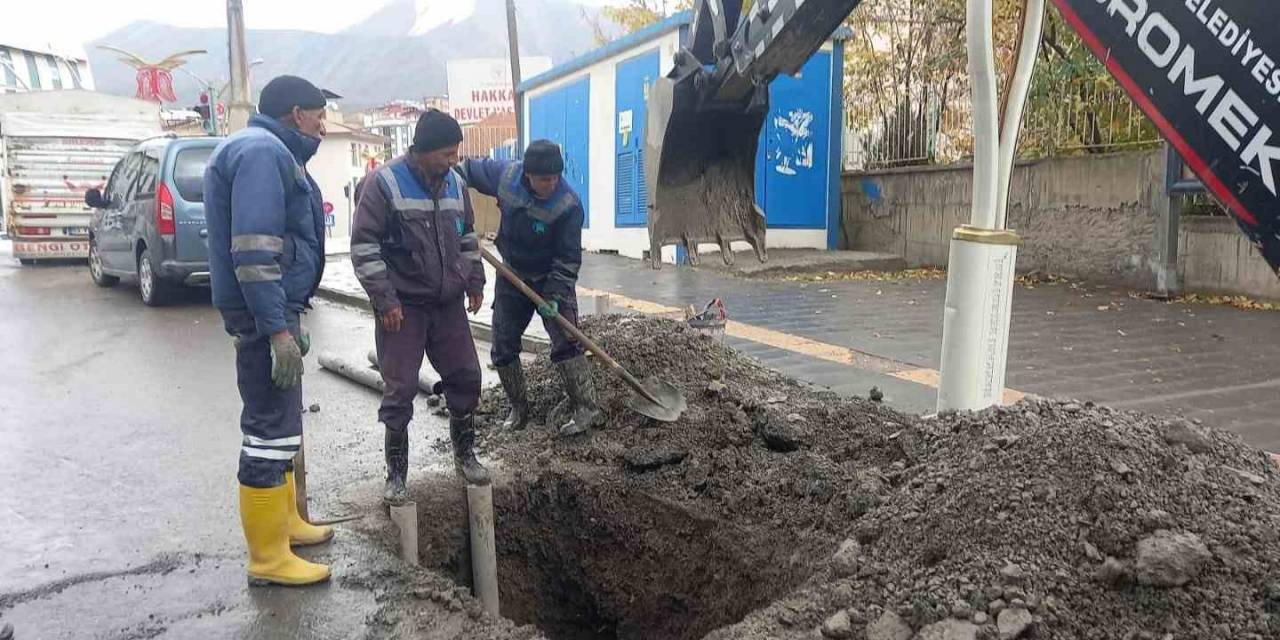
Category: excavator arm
[1206,72]
[704,119]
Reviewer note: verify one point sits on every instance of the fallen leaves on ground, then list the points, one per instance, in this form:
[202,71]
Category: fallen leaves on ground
[1032,279]
[925,273]
[1239,302]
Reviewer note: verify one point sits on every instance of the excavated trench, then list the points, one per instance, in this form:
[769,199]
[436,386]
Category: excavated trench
[581,557]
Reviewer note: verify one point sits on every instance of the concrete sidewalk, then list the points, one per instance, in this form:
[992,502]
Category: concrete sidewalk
[1069,340]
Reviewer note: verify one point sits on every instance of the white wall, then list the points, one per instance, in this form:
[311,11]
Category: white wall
[603,234]
[332,169]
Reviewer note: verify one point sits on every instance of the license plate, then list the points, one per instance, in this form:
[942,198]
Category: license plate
[77,231]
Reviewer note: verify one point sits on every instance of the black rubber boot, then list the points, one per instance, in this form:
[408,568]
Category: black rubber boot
[463,433]
[397,450]
[512,376]
[576,374]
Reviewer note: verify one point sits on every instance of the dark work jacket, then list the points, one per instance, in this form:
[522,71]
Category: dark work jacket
[411,244]
[266,225]
[540,239]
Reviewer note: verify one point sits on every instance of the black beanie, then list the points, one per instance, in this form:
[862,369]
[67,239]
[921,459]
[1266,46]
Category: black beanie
[543,158]
[284,93]
[436,130]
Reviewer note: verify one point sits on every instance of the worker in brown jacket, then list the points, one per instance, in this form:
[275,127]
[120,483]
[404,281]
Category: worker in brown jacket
[415,251]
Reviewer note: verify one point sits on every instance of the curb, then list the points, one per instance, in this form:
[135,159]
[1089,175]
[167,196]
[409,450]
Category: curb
[479,330]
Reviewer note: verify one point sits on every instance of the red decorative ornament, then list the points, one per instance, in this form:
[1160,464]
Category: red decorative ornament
[155,83]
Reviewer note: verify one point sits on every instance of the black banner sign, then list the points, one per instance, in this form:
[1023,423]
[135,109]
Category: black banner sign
[1207,73]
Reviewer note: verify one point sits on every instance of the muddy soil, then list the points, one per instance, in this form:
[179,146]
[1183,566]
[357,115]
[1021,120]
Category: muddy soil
[772,509]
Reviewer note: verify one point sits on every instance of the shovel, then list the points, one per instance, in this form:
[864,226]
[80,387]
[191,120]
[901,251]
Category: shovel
[654,398]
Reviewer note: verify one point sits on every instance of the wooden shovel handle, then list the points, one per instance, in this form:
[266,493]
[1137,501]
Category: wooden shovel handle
[577,334]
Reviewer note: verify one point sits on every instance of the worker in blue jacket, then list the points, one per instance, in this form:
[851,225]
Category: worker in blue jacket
[266,255]
[540,238]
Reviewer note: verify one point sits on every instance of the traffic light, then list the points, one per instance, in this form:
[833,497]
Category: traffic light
[206,114]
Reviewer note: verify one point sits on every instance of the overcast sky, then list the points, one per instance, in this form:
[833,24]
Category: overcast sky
[79,21]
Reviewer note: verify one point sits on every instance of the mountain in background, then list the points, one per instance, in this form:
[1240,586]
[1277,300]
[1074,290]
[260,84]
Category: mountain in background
[398,52]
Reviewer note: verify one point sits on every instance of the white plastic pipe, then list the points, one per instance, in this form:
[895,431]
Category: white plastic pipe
[976,318]
[484,555]
[426,381]
[975,322]
[406,518]
[1017,100]
[352,371]
[986,124]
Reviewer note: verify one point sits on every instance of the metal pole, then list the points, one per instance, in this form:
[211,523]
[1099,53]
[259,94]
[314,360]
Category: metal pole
[513,42]
[239,108]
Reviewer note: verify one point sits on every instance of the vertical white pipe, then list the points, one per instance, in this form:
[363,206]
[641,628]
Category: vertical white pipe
[986,134]
[406,518]
[1018,91]
[484,555]
[975,321]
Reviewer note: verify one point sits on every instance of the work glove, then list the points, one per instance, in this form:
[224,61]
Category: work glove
[286,360]
[549,310]
[304,341]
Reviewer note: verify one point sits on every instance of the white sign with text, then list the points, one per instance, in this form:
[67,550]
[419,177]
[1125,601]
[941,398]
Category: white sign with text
[481,87]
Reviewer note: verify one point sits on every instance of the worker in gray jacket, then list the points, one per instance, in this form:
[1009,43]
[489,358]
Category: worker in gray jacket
[415,251]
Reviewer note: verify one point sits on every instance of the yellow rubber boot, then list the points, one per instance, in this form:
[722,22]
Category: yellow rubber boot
[264,513]
[301,532]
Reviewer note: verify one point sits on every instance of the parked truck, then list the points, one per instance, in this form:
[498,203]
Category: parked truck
[55,145]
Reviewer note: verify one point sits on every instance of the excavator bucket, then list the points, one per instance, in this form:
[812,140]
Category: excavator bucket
[705,118]
[700,174]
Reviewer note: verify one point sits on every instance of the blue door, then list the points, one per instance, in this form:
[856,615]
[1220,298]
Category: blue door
[563,116]
[634,78]
[792,171]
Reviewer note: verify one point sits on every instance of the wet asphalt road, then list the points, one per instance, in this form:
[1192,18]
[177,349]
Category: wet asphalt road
[118,449]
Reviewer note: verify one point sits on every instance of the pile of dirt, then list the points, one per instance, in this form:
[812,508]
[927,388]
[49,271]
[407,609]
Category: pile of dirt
[841,517]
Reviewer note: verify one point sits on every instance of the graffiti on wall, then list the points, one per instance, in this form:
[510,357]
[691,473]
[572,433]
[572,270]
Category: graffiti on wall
[792,148]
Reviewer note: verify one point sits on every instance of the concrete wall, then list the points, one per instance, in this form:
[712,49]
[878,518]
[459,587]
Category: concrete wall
[1092,217]
[1101,218]
[1215,257]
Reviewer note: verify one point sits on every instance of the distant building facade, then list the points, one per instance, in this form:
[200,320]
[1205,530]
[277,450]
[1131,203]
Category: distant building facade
[32,66]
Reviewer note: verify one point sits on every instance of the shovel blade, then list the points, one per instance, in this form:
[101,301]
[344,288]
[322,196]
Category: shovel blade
[671,403]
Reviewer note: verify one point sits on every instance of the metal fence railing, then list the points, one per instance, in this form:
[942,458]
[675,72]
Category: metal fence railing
[1078,117]
[908,102]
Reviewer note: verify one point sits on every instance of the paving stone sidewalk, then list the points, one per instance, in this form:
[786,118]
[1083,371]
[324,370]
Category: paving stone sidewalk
[1089,342]
[1216,363]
